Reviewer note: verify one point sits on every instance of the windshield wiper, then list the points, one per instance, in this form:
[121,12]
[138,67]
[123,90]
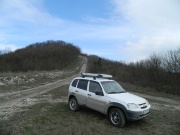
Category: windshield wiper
[113,92]
[122,92]
[116,92]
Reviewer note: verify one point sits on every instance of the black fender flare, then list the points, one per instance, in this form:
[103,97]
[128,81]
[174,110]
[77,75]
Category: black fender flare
[72,95]
[117,105]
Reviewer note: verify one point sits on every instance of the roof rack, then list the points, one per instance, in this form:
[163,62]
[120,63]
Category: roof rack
[105,76]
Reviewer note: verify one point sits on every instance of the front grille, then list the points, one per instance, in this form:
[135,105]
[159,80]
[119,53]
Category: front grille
[143,105]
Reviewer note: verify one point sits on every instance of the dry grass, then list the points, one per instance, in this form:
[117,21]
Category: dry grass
[56,119]
[17,81]
[149,91]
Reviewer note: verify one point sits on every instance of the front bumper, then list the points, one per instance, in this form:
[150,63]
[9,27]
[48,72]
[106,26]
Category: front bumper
[136,115]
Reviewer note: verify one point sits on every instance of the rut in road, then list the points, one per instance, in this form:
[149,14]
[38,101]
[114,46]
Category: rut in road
[13,99]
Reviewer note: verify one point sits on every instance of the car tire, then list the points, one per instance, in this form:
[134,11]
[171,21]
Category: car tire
[116,117]
[73,104]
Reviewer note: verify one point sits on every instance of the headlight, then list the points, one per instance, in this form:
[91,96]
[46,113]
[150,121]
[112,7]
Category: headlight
[132,106]
[147,102]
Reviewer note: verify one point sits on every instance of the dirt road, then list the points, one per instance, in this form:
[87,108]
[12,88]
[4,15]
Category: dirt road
[12,102]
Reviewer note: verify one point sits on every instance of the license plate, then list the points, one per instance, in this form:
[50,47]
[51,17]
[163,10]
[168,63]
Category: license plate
[145,111]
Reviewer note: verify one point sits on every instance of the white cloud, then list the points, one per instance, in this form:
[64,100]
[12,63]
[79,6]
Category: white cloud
[26,11]
[27,20]
[151,13]
[147,45]
[136,27]
[157,23]
[23,22]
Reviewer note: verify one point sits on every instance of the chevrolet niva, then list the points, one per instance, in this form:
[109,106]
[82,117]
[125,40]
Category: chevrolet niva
[100,93]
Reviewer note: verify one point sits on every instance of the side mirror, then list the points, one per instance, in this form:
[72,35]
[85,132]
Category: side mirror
[99,93]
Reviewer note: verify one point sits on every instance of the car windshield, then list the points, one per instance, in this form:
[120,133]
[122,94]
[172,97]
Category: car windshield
[112,87]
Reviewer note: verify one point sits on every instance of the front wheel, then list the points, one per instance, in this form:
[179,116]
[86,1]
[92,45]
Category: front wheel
[116,117]
[73,104]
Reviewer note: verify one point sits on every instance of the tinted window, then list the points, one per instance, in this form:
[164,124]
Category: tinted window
[75,83]
[82,84]
[94,87]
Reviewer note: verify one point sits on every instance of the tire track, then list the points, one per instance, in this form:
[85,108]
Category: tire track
[13,98]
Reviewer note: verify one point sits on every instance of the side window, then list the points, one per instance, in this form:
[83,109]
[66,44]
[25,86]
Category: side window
[82,84]
[75,83]
[94,87]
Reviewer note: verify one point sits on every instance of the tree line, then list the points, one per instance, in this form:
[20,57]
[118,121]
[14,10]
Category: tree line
[49,55]
[159,72]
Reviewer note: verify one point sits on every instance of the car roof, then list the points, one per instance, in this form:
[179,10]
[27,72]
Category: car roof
[91,78]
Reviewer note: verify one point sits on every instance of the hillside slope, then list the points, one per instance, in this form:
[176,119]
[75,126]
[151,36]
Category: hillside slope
[49,55]
[147,73]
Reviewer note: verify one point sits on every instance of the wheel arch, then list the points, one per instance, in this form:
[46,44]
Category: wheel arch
[117,105]
[71,96]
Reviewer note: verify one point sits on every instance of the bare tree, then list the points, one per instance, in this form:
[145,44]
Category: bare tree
[172,61]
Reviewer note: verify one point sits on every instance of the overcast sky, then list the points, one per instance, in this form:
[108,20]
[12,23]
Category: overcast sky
[123,30]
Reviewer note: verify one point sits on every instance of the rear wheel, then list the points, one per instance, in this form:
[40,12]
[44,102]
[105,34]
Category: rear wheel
[116,117]
[73,104]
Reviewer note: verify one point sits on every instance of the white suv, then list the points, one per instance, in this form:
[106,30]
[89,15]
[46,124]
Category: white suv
[99,92]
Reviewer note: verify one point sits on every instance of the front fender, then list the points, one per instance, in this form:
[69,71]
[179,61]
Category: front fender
[114,104]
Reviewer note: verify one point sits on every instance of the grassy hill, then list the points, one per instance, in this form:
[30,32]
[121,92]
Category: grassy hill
[49,55]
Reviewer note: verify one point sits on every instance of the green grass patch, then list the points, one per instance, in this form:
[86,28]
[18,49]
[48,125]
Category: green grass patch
[59,92]
[58,119]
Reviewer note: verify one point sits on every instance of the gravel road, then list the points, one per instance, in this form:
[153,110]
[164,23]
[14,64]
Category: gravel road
[13,101]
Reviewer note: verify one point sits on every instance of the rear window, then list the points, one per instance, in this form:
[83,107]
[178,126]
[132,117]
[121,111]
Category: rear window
[75,83]
[82,84]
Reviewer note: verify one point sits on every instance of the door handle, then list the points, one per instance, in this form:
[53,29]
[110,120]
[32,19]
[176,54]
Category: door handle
[76,91]
[89,94]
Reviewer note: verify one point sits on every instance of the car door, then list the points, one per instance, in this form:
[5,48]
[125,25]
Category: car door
[96,102]
[81,91]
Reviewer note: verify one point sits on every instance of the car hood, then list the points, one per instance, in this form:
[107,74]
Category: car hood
[126,98]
